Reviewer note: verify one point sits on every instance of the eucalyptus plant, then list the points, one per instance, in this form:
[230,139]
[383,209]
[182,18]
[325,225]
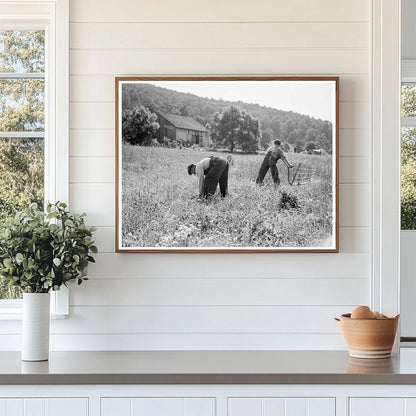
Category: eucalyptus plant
[42,251]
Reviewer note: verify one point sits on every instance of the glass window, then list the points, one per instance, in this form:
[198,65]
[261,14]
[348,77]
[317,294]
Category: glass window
[22,124]
[408,156]
[408,99]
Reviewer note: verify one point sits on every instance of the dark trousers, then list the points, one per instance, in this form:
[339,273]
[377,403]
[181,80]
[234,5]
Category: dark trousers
[216,173]
[269,162]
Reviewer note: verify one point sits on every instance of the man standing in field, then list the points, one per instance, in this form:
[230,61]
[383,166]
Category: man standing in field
[211,171]
[273,154]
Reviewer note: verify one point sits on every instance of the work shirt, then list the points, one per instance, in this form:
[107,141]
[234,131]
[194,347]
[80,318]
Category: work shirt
[200,169]
[276,152]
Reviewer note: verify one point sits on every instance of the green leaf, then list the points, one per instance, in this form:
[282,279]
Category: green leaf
[37,253]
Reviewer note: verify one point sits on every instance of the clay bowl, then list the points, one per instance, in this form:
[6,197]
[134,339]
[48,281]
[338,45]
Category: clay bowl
[369,338]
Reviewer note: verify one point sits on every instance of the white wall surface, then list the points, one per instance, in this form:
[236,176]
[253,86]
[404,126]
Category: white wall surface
[214,301]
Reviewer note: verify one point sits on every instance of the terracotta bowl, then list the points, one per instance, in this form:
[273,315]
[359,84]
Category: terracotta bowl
[369,338]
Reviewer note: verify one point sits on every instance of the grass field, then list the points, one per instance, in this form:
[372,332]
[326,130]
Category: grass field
[160,206]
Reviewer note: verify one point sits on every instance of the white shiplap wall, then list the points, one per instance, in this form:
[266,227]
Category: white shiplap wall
[214,301]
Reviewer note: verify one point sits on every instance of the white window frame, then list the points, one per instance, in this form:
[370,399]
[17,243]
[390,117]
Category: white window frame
[385,159]
[408,74]
[53,17]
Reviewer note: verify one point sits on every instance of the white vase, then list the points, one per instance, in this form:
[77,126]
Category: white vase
[35,326]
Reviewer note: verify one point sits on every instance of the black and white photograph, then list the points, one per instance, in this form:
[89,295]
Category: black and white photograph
[221,164]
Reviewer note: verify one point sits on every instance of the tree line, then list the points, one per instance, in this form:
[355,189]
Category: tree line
[298,130]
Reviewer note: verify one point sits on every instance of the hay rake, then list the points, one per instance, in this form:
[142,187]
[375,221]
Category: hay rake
[302,174]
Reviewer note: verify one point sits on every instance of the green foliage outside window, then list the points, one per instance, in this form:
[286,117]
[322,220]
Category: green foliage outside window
[408,160]
[21,110]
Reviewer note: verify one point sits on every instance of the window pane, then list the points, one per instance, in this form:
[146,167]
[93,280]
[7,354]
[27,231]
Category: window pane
[21,183]
[408,178]
[22,51]
[22,105]
[408,99]
[22,109]
[21,174]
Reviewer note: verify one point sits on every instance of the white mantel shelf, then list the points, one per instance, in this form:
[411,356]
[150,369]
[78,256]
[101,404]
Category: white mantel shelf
[207,367]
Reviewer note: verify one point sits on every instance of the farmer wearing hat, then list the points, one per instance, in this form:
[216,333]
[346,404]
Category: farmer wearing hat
[211,171]
[273,154]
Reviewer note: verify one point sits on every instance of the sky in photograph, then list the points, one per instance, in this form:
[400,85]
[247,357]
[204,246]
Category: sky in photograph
[313,98]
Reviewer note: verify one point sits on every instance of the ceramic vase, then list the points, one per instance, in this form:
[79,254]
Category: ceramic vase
[35,326]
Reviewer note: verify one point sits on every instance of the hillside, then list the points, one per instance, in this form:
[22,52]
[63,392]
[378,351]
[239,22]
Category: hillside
[293,128]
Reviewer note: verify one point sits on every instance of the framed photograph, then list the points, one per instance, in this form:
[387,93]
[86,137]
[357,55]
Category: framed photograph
[227,164]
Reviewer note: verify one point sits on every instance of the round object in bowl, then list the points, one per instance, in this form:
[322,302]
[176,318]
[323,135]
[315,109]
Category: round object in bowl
[369,338]
[362,312]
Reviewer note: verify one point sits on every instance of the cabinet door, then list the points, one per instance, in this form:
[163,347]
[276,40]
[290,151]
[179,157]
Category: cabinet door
[254,406]
[160,406]
[44,407]
[378,406]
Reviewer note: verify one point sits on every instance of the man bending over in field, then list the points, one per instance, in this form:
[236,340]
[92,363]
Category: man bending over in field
[273,154]
[211,171]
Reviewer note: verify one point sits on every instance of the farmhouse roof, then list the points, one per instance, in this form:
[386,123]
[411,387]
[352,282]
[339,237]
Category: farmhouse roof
[182,122]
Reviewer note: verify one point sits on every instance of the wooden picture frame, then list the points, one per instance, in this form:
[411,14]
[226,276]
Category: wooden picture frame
[165,123]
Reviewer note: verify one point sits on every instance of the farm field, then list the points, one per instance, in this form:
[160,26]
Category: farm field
[160,206]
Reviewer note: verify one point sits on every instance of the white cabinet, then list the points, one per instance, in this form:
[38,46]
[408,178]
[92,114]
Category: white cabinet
[159,406]
[382,406]
[44,407]
[281,406]
[208,400]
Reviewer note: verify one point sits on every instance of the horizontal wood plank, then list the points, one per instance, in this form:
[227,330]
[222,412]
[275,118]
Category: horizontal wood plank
[218,35]
[354,115]
[92,115]
[354,239]
[146,342]
[101,88]
[219,11]
[200,319]
[354,170]
[220,292]
[105,239]
[354,142]
[354,205]
[230,266]
[220,62]
[93,143]
[91,169]
[96,199]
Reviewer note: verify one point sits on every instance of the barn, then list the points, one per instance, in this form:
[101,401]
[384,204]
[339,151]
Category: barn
[184,129]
